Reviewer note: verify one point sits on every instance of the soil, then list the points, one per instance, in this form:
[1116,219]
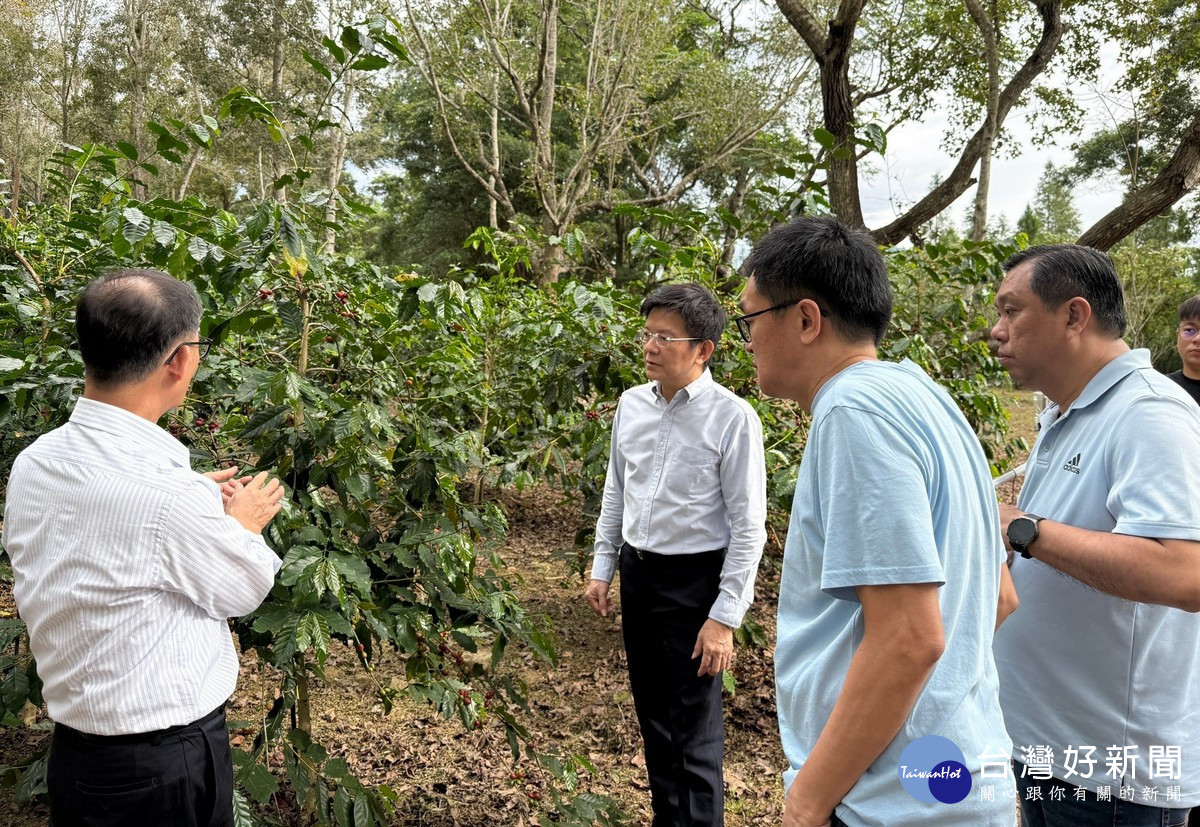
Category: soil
[446,776]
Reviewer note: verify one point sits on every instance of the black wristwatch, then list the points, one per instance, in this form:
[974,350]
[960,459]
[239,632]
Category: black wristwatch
[1022,532]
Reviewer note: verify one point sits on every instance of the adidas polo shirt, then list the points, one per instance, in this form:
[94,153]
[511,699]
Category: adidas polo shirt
[1085,673]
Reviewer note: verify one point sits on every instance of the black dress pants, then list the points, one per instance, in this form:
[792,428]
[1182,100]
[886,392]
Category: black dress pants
[664,602]
[180,777]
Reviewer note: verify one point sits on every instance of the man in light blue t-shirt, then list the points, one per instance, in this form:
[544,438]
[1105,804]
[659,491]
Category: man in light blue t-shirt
[893,568]
[1100,670]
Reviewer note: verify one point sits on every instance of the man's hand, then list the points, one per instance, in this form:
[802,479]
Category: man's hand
[1008,513]
[254,501]
[224,478]
[715,644]
[795,813]
[792,820]
[597,597]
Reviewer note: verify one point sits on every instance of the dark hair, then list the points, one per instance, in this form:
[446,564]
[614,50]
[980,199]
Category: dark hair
[841,269]
[1063,271]
[703,317]
[1189,311]
[126,321]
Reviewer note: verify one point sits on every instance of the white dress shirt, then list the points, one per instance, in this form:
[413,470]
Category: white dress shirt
[685,477]
[125,570]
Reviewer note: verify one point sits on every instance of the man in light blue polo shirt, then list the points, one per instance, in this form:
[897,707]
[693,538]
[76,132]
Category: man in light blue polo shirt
[1100,668]
[893,565]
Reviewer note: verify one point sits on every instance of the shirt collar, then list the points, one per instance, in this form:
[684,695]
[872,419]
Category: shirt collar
[1105,378]
[151,439]
[690,391]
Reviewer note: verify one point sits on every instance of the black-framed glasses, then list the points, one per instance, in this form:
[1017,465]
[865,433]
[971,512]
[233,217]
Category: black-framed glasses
[743,322]
[205,346]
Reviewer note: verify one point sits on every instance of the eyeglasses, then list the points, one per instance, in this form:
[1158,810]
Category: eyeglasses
[743,322]
[1188,332]
[665,341]
[204,344]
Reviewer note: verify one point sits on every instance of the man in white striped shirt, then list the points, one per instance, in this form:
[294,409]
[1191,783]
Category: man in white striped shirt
[126,566]
[684,521]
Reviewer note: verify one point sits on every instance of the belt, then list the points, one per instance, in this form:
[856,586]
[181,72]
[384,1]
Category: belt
[137,737]
[681,559]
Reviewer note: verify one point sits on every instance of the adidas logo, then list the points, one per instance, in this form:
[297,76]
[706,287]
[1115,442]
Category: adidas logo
[1072,464]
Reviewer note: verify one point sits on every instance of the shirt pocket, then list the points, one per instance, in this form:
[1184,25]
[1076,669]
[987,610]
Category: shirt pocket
[695,472]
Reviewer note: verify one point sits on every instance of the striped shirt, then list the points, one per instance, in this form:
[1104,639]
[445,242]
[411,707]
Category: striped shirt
[687,476]
[125,570]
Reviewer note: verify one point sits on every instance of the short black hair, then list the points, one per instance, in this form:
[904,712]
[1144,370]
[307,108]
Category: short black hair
[1189,311]
[126,321]
[838,267]
[1063,271]
[703,316]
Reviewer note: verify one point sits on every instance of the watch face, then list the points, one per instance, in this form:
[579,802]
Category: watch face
[1022,531]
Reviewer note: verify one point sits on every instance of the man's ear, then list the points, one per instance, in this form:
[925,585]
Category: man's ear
[1079,314]
[705,350]
[808,320]
[180,368]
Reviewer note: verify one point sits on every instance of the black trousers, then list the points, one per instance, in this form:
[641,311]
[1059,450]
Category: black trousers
[179,777]
[664,602]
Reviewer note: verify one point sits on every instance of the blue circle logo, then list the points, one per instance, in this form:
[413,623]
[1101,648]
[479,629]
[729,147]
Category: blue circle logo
[932,769]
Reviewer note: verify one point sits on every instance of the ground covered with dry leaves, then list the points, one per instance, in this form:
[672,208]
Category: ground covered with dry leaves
[447,776]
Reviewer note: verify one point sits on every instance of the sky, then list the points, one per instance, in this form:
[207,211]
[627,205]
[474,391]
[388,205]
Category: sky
[914,158]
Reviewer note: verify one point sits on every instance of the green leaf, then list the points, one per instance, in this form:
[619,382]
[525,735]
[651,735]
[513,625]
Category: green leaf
[127,149]
[339,54]
[265,421]
[320,67]
[198,248]
[242,817]
[290,235]
[257,781]
[136,225]
[291,315]
[353,569]
[163,233]
[352,40]
[200,134]
[9,364]
[370,63]
[824,137]
[362,810]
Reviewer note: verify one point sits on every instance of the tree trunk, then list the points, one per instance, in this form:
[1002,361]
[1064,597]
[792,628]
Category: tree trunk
[337,163]
[137,46]
[550,261]
[735,204]
[1180,176]
[959,179]
[839,119]
[193,159]
[280,193]
[988,29]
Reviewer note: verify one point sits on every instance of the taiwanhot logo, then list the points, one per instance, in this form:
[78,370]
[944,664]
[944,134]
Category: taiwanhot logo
[1072,464]
[933,769]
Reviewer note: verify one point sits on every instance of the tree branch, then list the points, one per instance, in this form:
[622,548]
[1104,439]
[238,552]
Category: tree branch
[1180,176]
[959,179]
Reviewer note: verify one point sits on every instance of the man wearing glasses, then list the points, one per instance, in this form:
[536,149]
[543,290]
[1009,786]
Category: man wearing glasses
[127,564]
[1188,343]
[683,520]
[1100,669]
[893,568]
